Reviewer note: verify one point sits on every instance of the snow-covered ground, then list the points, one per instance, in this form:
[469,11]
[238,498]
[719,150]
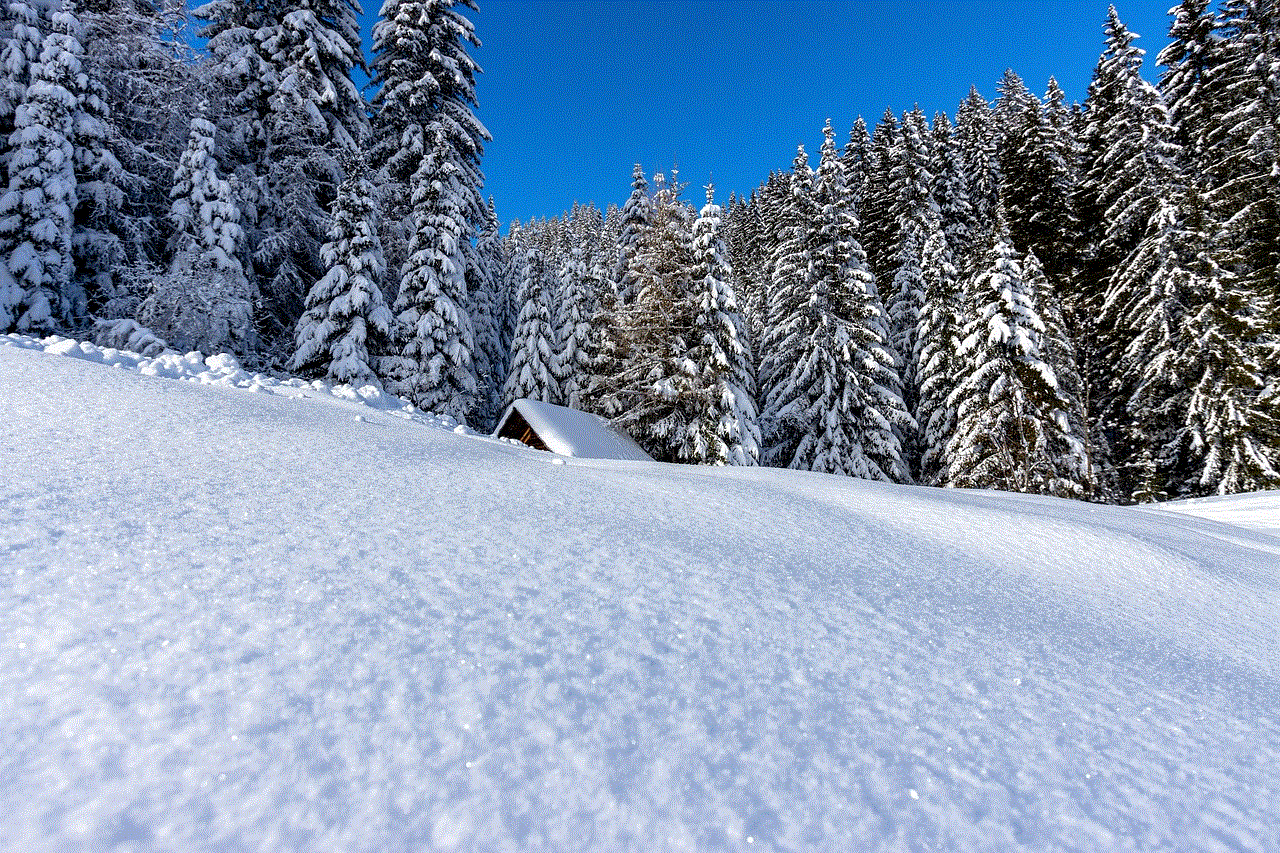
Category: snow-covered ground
[1259,510]
[308,618]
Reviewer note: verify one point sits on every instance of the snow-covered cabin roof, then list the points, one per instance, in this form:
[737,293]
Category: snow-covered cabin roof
[567,432]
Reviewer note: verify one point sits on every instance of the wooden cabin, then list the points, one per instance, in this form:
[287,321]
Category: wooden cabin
[567,432]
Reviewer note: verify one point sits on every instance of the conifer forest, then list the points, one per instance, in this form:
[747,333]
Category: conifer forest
[1031,295]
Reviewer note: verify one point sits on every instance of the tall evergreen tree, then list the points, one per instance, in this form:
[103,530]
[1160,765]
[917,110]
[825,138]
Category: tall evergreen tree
[1058,350]
[857,162]
[977,138]
[204,301]
[1129,163]
[580,285]
[726,431]
[577,306]
[347,320]
[432,362]
[878,214]
[1013,101]
[657,390]
[951,194]
[945,253]
[917,218]
[764,220]
[636,215]
[1012,432]
[1232,431]
[426,134]
[789,267]
[534,349]
[1036,180]
[37,210]
[833,401]
[616,273]
[1188,61]
[1244,162]
[22,27]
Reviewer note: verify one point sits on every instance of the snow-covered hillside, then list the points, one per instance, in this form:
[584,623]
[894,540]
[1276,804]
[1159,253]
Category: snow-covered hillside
[309,619]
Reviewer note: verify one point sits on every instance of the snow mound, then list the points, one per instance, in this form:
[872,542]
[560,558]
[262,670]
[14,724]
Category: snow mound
[229,621]
[224,370]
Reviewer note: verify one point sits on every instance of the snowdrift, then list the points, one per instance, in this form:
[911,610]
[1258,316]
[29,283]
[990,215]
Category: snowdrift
[312,618]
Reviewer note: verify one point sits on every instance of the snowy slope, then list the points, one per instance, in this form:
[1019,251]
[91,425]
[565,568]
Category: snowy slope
[1258,510]
[289,620]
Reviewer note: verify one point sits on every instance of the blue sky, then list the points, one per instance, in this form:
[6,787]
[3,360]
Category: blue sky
[576,91]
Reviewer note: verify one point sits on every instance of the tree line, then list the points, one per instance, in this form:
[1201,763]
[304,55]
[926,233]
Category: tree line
[1031,295]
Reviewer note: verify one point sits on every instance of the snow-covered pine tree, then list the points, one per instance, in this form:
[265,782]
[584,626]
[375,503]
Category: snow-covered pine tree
[1129,161]
[432,363]
[762,226]
[346,321]
[426,133]
[937,355]
[1013,103]
[790,263]
[1232,431]
[603,347]
[616,274]
[204,301]
[656,398]
[738,224]
[951,194]
[534,350]
[424,81]
[834,402]
[22,26]
[577,306]
[1186,85]
[1036,181]
[1058,350]
[1012,431]
[857,162]
[726,431]
[916,214]
[1158,285]
[938,338]
[948,252]
[636,215]
[1128,147]
[878,215]
[1057,217]
[1243,160]
[37,209]
[514,245]
[96,252]
[977,139]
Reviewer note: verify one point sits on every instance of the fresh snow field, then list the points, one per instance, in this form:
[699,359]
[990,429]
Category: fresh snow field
[310,619]
[1261,511]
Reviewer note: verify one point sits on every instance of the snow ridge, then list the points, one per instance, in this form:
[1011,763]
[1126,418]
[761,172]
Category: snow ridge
[224,370]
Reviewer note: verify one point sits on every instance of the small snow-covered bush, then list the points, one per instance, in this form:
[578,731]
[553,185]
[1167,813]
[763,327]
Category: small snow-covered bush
[128,335]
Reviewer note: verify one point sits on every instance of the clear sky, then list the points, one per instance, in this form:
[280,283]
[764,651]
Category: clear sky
[577,91]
